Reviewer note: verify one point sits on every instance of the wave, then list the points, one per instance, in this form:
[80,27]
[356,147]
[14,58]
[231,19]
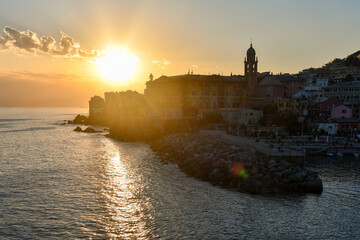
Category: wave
[29,129]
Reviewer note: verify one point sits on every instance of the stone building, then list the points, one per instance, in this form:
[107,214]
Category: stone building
[348,93]
[270,89]
[194,95]
[125,104]
[96,105]
[292,83]
[250,71]
[345,91]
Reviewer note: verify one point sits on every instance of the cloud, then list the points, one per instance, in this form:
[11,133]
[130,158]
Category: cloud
[3,42]
[47,44]
[161,62]
[28,41]
[92,54]
[67,46]
[194,66]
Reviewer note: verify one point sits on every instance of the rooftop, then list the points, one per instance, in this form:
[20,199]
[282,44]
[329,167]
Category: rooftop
[270,81]
[301,94]
[199,77]
[344,85]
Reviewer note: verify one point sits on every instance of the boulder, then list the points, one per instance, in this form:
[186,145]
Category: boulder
[79,119]
[314,186]
[90,130]
[78,129]
[210,159]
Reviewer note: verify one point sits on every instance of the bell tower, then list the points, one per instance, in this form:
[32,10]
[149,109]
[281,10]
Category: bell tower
[250,73]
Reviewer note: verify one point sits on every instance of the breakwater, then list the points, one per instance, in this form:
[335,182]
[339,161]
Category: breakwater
[210,159]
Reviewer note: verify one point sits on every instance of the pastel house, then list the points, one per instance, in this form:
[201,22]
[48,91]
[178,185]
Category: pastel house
[341,111]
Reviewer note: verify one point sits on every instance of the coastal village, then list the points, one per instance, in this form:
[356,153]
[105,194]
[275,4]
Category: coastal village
[251,133]
[314,111]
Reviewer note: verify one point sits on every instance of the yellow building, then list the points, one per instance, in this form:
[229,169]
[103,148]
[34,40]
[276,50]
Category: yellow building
[194,95]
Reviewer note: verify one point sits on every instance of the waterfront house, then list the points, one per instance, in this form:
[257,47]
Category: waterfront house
[341,112]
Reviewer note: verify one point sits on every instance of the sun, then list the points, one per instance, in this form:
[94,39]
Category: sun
[117,65]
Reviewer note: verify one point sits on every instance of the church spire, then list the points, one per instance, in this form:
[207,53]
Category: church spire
[250,72]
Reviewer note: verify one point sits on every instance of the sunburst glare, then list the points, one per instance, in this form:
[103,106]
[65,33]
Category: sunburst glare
[117,65]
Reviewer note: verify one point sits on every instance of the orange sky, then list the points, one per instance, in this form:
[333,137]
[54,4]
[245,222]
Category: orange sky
[169,38]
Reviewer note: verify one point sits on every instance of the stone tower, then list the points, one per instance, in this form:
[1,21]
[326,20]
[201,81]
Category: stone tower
[251,71]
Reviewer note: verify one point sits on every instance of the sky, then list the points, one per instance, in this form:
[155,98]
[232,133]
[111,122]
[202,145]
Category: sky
[50,50]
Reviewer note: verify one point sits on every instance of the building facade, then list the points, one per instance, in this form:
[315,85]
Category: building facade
[341,112]
[194,95]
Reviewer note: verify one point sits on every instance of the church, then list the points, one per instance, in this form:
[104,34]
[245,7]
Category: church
[192,95]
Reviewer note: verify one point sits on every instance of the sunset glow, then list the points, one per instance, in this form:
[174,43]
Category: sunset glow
[117,65]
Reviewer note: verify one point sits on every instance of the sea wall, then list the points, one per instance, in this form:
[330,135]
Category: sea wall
[210,159]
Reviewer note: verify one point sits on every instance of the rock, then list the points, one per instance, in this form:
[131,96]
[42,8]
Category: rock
[80,119]
[90,130]
[78,129]
[271,164]
[314,186]
[211,159]
[215,174]
[301,175]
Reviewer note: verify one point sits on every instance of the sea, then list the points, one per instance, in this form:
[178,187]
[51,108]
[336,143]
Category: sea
[59,184]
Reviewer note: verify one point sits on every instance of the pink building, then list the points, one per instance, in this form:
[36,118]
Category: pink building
[341,112]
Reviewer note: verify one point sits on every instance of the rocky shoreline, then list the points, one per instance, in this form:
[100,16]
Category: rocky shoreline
[210,159]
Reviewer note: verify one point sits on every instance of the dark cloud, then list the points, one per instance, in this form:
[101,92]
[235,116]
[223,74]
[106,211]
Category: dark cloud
[3,42]
[67,46]
[29,42]
[47,44]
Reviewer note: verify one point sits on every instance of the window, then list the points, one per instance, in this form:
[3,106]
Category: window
[343,111]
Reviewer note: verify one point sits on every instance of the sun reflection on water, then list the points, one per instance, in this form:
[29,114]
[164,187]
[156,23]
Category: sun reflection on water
[126,218]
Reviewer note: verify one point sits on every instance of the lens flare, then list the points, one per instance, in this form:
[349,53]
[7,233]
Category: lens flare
[239,170]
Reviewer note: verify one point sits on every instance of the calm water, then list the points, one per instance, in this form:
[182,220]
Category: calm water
[56,183]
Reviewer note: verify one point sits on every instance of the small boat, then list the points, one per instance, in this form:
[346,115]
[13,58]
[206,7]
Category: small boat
[339,154]
[356,155]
